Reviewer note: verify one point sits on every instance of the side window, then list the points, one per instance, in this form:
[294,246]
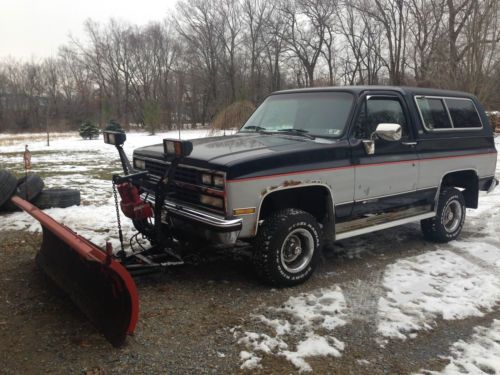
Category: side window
[377,110]
[463,113]
[448,113]
[434,113]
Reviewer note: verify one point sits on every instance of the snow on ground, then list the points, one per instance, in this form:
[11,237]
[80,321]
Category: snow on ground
[302,327]
[433,285]
[86,165]
[477,356]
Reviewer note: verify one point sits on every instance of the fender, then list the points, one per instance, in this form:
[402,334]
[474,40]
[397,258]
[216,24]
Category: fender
[297,185]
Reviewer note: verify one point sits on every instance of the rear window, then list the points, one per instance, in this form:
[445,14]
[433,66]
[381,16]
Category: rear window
[463,113]
[448,113]
[434,113]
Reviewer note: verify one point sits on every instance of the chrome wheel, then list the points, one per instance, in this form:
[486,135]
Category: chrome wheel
[297,250]
[452,216]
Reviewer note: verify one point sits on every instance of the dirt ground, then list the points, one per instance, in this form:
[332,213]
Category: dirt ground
[186,314]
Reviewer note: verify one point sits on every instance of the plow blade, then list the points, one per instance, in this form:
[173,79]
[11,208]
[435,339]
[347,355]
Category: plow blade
[99,285]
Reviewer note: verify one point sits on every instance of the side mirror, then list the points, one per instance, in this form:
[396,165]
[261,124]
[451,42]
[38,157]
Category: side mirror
[388,132]
[114,138]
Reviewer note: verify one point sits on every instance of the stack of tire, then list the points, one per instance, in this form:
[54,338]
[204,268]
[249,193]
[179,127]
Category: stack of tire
[31,188]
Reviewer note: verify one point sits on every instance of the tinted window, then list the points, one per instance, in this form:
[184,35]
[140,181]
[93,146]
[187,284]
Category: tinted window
[434,113]
[377,110]
[320,113]
[463,113]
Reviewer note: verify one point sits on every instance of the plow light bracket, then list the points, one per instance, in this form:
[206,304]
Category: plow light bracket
[114,138]
[177,147]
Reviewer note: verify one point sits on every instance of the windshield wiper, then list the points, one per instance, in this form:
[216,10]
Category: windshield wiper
[294,131]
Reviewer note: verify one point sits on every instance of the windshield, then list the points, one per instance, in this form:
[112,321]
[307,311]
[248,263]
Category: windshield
[321,114]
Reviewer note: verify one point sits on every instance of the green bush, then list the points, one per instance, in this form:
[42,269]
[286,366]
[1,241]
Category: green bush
[114,126]
[89,130]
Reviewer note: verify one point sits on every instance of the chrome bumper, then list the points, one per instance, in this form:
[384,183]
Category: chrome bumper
[213,222]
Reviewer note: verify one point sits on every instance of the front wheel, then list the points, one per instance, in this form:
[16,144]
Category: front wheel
[449,219]
[287,247]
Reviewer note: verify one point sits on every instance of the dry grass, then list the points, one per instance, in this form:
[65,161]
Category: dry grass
[15,138]
[233,116]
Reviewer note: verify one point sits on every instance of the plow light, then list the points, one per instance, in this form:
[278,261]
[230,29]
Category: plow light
[176,147]
[114,138]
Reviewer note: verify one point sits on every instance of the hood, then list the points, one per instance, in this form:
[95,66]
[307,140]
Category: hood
[247,152]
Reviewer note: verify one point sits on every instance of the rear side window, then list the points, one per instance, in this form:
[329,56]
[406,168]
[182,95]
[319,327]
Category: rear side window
[434,113]
[448,113]
[463,113]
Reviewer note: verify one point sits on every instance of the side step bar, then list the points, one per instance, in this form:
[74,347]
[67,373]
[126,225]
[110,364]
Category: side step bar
[382,221]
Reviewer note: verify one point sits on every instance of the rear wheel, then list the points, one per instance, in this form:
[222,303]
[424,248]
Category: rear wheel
[449,219]
[287,247]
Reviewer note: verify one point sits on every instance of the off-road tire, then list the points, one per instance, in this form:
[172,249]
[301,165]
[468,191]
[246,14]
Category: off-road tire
[8,183]
[62,198]
[435,229]
[269,245]
[29,187]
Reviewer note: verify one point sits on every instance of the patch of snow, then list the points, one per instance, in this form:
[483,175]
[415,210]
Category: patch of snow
[433,285]
[309,318]
[363,362]
[250,361]
[477,356]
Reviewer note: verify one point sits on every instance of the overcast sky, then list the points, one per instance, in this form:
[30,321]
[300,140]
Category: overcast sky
[35,28]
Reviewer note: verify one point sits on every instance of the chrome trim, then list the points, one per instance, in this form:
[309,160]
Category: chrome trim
[358,232]
[443,98]
[203,217]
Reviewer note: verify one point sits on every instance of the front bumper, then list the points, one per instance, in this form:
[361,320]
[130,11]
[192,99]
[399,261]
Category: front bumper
[205,219]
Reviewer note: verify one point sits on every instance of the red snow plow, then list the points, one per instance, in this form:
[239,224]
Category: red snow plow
[94,280]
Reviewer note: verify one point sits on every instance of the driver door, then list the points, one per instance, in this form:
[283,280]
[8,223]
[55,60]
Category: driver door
[388,178]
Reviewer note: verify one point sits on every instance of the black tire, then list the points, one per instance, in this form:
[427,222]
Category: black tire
[29,187]
[282,235]
[57,198]
[449,219]
[8,183]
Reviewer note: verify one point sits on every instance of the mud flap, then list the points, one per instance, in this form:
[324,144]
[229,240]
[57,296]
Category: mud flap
[99,285]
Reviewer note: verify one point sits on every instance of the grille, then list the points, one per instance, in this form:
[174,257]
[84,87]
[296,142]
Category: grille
[182,174]
[188,193]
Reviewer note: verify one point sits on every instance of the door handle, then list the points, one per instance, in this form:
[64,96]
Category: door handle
[411,144]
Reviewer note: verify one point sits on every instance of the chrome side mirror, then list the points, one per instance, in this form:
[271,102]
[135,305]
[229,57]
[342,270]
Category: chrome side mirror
[388,132]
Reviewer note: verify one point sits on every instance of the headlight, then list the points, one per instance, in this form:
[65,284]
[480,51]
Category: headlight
[218,180]
[206,178]
[211,201]
[210,179]
[139,164]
